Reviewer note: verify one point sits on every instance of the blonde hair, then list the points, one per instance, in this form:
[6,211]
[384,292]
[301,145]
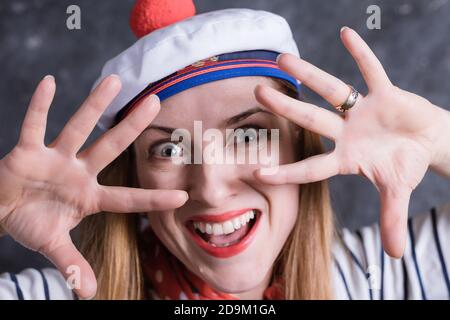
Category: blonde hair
[110,241]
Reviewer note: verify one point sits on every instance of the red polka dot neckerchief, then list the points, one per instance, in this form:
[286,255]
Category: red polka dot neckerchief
[167,278]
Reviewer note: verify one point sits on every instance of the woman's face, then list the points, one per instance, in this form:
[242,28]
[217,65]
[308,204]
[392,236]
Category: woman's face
[232,228]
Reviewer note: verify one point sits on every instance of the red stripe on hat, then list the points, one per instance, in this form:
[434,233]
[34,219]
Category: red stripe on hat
[209,63]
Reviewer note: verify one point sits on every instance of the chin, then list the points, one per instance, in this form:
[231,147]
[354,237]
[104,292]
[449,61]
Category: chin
[237,278]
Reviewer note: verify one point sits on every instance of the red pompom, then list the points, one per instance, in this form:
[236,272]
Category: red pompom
[149,15]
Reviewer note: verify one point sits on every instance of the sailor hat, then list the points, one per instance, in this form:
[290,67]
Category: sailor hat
[178,49]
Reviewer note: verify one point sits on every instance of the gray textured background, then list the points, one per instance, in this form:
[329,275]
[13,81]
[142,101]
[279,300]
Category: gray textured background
[413,45]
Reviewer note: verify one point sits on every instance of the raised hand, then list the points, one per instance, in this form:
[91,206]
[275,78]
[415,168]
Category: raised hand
[390,136]
[45,191]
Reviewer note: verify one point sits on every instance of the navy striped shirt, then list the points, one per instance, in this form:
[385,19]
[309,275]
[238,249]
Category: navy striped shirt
[364,271]
[361,269]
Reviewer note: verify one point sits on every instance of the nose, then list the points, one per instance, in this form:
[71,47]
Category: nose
[212,185]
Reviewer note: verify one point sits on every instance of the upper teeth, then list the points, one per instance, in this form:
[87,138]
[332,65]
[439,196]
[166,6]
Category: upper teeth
[225,227]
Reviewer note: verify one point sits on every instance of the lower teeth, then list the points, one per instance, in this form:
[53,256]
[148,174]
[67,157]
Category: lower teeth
[222,245]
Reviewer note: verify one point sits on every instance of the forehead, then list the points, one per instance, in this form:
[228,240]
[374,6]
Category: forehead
[211,103]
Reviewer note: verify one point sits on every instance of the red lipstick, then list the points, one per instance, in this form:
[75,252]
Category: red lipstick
[227,251]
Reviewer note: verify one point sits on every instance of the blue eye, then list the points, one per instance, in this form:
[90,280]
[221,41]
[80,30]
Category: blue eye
[167,150]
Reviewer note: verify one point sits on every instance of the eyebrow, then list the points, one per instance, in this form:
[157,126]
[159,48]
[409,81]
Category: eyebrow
[160,128]
[244,115]
[234,119]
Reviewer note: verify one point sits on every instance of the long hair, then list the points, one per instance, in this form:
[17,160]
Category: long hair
[110,241]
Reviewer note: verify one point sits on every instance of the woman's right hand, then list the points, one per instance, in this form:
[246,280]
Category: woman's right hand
[45,191]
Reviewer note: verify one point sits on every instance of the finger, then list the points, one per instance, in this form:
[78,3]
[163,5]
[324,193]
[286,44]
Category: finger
[80,126]
[116,140]
[306,115]
[72,265]
[134,200]
[35,122]
[370,67]
[394,220]
[324,84]
[312,169]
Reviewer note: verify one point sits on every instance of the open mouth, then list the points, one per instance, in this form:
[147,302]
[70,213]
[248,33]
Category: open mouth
[225,235]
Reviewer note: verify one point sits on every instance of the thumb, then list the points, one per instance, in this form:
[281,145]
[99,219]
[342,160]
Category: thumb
[394,219]
[76,270]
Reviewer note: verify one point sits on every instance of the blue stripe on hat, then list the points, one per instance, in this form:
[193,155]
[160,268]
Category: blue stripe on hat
[225,74]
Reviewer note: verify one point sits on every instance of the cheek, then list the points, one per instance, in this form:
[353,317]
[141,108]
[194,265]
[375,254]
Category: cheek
[156,174]
[164,226]
[161,176]
[284,203]
[161,222]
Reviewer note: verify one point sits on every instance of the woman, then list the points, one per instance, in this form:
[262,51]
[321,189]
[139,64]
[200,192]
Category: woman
[226,230]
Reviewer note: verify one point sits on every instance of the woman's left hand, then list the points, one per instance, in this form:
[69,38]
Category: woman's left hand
[390,136]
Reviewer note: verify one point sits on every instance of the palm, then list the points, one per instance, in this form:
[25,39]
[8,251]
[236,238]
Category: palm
[45,191]
[388,136]
[50,183]
[389,152]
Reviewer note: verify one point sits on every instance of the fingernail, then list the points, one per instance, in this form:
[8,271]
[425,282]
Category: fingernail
[150,98]
[49,76]
[278,57]
[89,298]
[155,98]
[343,28]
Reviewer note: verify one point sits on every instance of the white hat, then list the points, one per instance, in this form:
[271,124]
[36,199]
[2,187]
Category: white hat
[167,50]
